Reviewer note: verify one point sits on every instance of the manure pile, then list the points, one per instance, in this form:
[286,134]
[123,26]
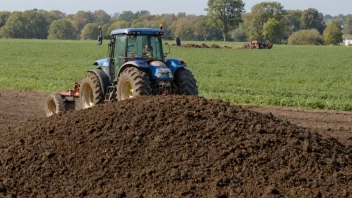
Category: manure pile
[171,146]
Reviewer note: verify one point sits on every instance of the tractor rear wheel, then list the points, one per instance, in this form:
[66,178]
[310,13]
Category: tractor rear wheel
[186,83]
[132,83]
[90,91]
[54,105]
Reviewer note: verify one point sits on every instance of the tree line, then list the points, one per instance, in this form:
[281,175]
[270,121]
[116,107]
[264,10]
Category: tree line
[225,20]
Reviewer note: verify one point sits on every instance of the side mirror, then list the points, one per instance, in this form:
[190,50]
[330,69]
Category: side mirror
[100,40]
[167,44]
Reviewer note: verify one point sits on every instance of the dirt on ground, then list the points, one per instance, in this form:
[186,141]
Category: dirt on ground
[245,46]
[169,146]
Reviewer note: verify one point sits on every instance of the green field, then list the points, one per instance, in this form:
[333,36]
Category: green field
[301,76]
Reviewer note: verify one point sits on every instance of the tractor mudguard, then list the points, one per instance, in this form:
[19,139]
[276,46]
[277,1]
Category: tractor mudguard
[102,62]
[103,78]
[174,64]
[135,63]
[104,65]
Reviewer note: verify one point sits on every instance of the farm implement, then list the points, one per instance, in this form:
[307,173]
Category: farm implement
[255,44]
[136,66]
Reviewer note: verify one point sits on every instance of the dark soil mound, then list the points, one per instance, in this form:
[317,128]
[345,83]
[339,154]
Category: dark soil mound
[171,147]
[204,45]
[191,46]
[215,46]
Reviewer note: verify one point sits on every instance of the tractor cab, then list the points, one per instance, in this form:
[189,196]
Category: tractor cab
[137,44]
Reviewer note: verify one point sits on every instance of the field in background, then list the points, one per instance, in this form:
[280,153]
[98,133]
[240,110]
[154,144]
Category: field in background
[303,76]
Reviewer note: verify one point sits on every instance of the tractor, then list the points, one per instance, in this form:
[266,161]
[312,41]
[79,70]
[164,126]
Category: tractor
[136,66]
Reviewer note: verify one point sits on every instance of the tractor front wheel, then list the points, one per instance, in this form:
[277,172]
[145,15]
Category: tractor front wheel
[132,83]
[90,91]
[54,105]
[186,83]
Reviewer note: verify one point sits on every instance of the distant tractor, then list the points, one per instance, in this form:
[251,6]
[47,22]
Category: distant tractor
[255,44]
[136,66]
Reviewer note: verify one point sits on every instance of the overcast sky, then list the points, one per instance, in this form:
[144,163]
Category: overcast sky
[164,6]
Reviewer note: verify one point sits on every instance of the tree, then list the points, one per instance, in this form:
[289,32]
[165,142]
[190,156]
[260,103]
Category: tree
[293,19]
[115,16]
[272,29]
[240,34]
[82,18]
[184,29]
[62,29]
[201,30]
[71,16]
[127,16]
[312,19]
[225,14]
[40,21]
[347,28]
[57,14]
[167,20]
[305,37]
[28,24]
[90,31]
[3,17]
[13,26]
[260,14]
[101,17]
[118,25]
[181,15]
[333,34]
[142,13]
[327,16]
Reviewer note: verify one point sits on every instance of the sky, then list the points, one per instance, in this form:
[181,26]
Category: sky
[164,6]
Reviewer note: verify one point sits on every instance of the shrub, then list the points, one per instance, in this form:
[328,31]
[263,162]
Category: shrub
[305,37]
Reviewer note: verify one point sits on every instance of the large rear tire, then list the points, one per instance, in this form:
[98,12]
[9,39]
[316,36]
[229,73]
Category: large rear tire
[90,92]
[132,83]
[54,105]
[186,83]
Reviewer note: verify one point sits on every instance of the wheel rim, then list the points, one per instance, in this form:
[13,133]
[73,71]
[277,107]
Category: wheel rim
[87,96]
[127,90]
[51,108]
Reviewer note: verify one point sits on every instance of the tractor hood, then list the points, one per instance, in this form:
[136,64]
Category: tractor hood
[102,62]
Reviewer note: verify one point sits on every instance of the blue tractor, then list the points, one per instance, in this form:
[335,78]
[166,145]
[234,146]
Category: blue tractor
[136,66]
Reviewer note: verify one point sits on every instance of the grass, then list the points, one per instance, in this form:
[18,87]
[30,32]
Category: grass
[299,76]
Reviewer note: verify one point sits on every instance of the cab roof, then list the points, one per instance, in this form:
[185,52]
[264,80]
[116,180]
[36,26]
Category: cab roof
[145,31]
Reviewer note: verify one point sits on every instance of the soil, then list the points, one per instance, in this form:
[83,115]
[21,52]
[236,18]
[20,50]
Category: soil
[172,146]
[246,46]
[18,106]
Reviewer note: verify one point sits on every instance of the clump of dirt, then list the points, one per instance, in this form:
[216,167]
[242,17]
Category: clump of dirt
[191,46]
[227,47]
[215,46]
[171,146]
[204,45]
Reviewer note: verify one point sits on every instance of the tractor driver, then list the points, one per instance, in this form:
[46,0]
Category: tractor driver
[147,53]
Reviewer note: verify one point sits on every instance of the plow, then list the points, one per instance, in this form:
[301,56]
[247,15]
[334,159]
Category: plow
[136,66]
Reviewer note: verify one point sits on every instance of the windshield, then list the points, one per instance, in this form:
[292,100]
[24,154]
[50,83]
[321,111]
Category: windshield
[147,47]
